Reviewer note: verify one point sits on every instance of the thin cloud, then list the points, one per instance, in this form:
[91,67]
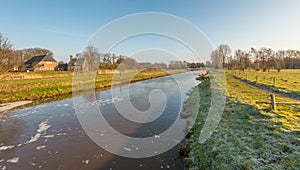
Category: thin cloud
[70,34]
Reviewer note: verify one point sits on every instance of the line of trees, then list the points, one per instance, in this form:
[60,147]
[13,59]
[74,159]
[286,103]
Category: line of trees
[96,60]
[112,61]
[259,59]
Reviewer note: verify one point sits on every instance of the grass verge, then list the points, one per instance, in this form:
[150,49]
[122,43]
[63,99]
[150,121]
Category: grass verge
[249,135]
[55,86]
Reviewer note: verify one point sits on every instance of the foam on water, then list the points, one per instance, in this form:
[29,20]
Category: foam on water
[3,148]
[41,147]
[43,127]
[13,160]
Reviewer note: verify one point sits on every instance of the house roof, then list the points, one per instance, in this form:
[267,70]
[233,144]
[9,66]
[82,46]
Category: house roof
[36,59]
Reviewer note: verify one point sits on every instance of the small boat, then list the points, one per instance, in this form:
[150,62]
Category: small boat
[203,76]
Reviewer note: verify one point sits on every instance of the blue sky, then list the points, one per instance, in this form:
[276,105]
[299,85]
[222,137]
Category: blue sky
[65,26]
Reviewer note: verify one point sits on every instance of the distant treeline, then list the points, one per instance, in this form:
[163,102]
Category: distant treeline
[93,59]
[259,59]
[112,61]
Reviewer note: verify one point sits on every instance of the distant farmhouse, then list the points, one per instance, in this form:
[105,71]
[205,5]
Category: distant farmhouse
[40,63]
[77,63]
[48,63]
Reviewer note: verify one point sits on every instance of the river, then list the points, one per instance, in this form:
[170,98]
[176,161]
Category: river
[50,136]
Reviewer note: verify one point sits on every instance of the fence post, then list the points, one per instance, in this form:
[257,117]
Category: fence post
[274,81]
[256,78]
[121,76]
[273,102]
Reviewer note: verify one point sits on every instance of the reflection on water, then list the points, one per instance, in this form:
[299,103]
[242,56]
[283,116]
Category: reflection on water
[49,136]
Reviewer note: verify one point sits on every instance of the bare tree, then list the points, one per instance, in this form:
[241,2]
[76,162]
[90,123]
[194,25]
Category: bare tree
[278,59]
[216,59]
[263,57]
[224,52]
[267,54]
[239,55]
[290,59]
[220,55]
[6,53]
[256,58]
[92,56]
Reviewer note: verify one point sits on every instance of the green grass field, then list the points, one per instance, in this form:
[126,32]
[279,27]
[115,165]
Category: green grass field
[59,83]
[250,135]
[286,81]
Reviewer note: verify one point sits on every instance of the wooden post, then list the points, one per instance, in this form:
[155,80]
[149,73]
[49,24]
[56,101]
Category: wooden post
[273,102]
[120,73]
[256,78]
[274,81]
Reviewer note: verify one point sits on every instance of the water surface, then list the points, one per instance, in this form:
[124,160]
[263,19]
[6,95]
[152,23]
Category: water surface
[49,136]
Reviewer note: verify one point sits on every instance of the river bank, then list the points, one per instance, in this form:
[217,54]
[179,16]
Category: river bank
[249,136]
[57,85]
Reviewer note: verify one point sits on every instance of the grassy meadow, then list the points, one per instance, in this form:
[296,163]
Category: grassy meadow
[250,135]
[51,84]
[285,82]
